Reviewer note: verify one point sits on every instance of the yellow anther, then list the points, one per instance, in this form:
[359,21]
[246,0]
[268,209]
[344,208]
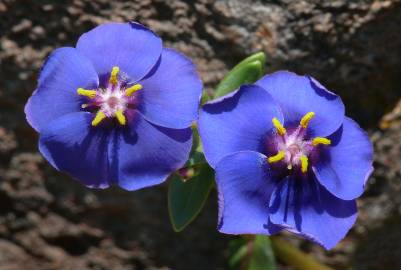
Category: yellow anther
[86,93]
[280,129]
[304,163]
[305,120]
[98,118]
[120,117]
[276,158]
[321,140]
[136,87]
[113,76]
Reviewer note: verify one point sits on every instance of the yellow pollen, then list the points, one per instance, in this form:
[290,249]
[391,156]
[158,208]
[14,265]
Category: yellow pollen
[279,156]
[320,140]
[136,87]
[98,118]
[279,127]
[304,163]
[305,120]
[113,76]
[86,93]
[120,117]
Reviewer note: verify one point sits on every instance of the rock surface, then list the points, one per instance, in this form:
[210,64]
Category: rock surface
[47,221]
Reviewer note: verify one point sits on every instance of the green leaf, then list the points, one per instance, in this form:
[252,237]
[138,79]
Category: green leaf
[259,56]
[187,198]
[205,97]
[248,70]
[263,257]
[238,250]
[253,254]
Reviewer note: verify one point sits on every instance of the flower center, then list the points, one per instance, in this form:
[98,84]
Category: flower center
[111,101]
[293,148]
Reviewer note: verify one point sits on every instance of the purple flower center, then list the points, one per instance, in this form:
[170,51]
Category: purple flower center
[112,100]
[293,149]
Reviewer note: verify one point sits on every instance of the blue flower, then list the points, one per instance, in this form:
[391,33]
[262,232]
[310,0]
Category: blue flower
[116,109]
[286,157]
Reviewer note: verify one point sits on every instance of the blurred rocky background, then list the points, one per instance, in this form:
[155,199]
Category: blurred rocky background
[48,221]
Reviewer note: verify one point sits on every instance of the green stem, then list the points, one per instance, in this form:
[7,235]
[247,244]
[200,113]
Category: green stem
[294,257]
[249,250]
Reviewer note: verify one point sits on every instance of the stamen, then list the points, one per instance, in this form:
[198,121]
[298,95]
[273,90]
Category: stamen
[120,117]
[320,140]
[86,93]
[98,118]
[84,106]
[279,156]
[279,127]
[304,163]
[113,76]
[305,120]
[136,87]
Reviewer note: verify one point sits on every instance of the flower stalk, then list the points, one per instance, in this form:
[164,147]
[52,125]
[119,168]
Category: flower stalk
[294,257]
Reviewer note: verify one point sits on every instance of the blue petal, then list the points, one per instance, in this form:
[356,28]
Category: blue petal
[245,183]
[64,71]
[171,93]
[306,208]
[344,167]
[238,121]
[298,95]
[73,146]
[130,46]
[143,154]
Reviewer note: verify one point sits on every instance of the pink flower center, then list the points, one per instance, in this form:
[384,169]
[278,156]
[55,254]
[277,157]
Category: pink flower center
[293,148]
